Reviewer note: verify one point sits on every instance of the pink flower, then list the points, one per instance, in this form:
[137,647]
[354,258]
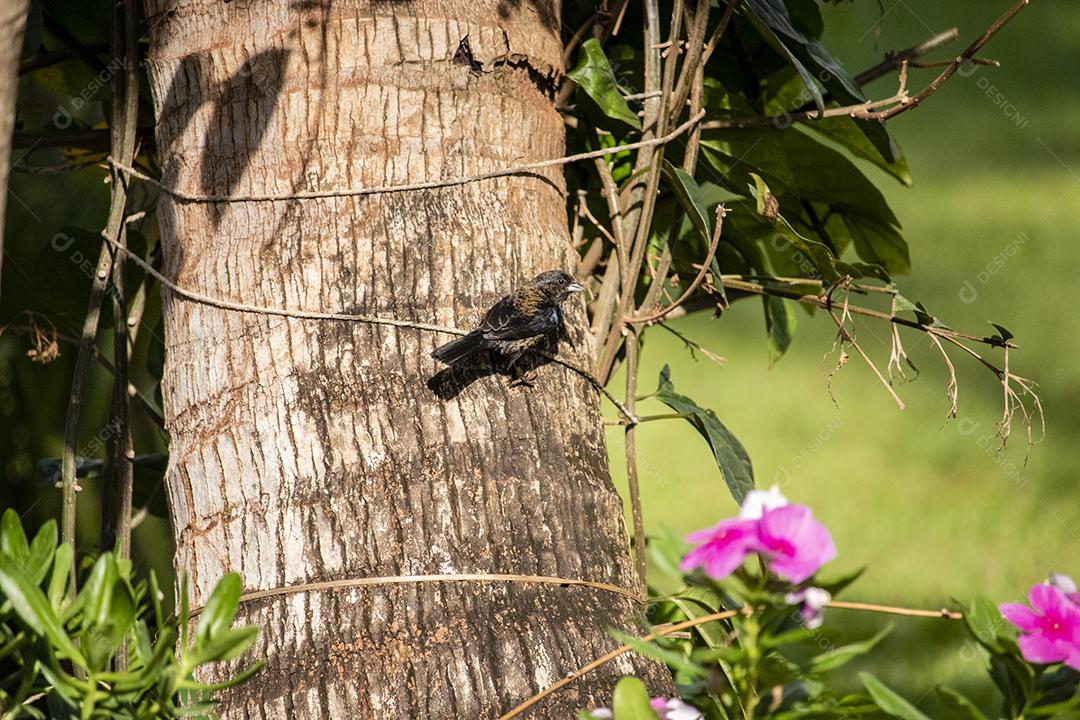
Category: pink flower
[723,547]
[1050,628]
[665,709]
[673,709]
[795,543]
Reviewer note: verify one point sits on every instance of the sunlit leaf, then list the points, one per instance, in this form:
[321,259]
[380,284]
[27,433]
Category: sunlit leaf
[957,705]
[220,609]
[837,657]
[731,456]
[595,77]
[672,658]
[780,323]
[889,701]
[630,700]
[31,605]
[851,134]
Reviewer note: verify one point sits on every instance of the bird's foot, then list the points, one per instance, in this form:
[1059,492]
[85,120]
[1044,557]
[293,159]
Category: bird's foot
[523,380]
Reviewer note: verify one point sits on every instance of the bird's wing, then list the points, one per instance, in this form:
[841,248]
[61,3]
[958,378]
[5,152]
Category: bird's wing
[506,321]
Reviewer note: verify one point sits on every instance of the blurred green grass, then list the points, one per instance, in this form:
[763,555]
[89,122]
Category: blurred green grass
[928,505]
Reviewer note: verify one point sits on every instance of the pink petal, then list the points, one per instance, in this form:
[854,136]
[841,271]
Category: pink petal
[797,545]
[1073,660]
[1037,648]
[723,549]
[1019,615]
[1046,599]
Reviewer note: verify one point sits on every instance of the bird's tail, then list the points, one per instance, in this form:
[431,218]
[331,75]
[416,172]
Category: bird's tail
[459,349]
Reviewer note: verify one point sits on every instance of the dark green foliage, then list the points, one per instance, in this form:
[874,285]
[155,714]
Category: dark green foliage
[110,651]
[731,456]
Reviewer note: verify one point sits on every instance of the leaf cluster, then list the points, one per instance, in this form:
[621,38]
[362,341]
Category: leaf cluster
[108,651]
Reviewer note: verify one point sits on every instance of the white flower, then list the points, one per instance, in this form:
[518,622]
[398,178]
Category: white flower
[1062,582]
[757,502]
[811,602]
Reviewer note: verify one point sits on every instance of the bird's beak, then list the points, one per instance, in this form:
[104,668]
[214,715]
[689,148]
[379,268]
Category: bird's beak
[574,287]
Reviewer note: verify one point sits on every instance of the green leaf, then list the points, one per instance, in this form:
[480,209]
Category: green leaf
[957,705]
[889,702]
[697,602]
[693,201]
[1003,336]
[672,658]
[631,700]
[984,621]
[851,134]
[832,659]
[689,195]
[780,324]
[1015,678]
[594,75]
[220,609]
[834,585]
[781,235]
[13,542]
[824,175]
[773,38]
[98,591]
[223,646]
[33,608]
[243,677]
[105,637]
[879,243]
[185,612]
[808,56]
[41,551]
[61,573]
[731,456]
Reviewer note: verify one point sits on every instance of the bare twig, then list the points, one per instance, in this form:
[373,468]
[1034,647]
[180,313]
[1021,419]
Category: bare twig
[846,337]
[719,31]
[630,445]
[952,67]
[702,272]
[894,58]
[671,628]
[862,111]
[952,389]
[989,62]
[608,657]
[604,305]
[222,304]
[898,357]
[734,282]
[694,347]
[116,509]
[408,187]
[694,49]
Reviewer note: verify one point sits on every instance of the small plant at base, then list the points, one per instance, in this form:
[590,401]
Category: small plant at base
[109,651]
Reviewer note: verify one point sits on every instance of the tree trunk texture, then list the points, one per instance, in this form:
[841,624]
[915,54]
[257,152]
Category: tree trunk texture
[13,15]
[304,451]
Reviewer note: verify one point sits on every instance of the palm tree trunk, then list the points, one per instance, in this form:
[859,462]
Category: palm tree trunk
[304,451]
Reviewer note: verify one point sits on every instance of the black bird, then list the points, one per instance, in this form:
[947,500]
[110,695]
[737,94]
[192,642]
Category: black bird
[519,321]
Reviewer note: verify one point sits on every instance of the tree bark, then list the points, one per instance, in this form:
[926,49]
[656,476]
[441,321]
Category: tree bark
[13,15]
[304,451]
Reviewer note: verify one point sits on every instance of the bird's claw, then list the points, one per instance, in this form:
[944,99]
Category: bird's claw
[524,380]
